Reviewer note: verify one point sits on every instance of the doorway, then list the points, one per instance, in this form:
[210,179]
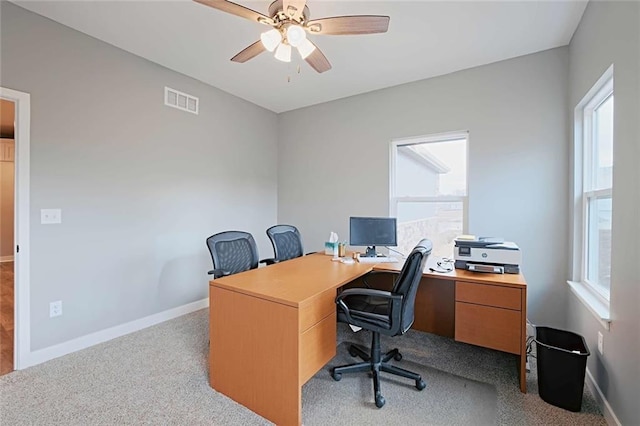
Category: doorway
[15,330]
[7,241]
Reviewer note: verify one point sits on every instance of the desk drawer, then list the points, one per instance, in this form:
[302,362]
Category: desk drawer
[489,295]
[317,347]
[489,327]
[317,309]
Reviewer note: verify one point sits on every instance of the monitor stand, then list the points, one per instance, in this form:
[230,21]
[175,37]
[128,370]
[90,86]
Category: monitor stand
[370,252]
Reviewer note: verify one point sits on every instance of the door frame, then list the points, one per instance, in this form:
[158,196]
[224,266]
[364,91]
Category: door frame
[22,327]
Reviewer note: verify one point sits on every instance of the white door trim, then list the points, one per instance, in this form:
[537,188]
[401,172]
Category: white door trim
[22,327]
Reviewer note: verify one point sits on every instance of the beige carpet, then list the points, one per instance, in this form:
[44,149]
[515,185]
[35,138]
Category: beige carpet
[158,376]
[447,399]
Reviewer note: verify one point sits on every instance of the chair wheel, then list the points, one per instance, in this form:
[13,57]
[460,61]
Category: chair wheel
[380,400]
[336,376]
[420,384]
[398,356]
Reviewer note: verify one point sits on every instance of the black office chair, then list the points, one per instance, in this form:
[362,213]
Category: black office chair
[232,252]
[286,241]
[389,313]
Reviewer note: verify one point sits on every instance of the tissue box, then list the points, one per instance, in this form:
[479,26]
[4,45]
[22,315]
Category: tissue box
[330,248]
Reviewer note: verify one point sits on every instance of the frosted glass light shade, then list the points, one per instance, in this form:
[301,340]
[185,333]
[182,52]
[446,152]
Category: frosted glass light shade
[271,39]
[283,53]
[295,35]
[306,48]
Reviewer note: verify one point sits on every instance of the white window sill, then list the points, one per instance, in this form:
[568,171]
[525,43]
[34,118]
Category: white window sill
[593,303]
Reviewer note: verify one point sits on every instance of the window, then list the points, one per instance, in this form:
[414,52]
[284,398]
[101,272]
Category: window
[429,190]
[594,184]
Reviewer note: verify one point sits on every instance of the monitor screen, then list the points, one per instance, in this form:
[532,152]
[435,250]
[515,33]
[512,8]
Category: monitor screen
[372,231]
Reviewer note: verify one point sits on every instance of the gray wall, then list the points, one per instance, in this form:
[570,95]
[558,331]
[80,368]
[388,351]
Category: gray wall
[140,185]
[609,34]
[334,160]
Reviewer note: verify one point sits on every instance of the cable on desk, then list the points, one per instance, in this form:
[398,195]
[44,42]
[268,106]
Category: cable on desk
[444,265]
[394,250]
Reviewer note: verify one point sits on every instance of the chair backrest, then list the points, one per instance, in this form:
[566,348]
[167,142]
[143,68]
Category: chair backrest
[286,241]
[233,251]
[409,279]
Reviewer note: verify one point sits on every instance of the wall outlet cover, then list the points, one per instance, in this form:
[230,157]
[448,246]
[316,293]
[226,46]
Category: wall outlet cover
[600,343]
[55,309]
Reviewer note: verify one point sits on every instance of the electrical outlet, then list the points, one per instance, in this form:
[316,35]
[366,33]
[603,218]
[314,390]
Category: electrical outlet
[55,309]
[600,343]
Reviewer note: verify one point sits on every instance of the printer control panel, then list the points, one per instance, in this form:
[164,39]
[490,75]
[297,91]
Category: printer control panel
[464,251]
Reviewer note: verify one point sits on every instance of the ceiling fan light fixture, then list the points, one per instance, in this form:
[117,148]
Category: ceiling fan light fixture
[306,48]
[283,52]
[296,35]
[271,39]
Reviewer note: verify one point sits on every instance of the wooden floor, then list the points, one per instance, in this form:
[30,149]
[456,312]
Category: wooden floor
[6,317]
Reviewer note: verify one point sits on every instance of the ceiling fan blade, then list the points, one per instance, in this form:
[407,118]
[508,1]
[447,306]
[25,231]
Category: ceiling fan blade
[344,25]
[238,10]
[318,61]
[294,8]
[250,52]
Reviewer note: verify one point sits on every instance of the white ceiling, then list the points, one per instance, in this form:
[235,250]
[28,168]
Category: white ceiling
[425,39]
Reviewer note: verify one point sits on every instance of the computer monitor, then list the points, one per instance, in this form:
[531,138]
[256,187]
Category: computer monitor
[372,232]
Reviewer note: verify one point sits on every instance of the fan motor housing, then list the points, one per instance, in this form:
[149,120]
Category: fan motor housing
[276,12]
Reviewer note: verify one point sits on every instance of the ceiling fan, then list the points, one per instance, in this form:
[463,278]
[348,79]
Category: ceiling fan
[290,22]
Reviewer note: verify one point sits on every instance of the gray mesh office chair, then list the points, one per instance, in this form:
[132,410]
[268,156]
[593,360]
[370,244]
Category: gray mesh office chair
[286,241]
[383,312]
[232,252]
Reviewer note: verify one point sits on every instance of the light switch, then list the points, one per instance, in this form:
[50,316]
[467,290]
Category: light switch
[50,216]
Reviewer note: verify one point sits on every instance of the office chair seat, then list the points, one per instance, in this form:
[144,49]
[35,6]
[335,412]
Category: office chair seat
[367,308]
[383,312]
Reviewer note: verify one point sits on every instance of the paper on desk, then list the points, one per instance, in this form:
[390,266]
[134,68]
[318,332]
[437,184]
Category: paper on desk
[355,328]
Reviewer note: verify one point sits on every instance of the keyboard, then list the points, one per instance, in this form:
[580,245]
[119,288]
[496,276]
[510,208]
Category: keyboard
[378,259]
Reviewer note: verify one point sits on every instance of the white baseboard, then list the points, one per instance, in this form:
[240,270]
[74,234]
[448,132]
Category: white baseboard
[6,259]
[609,415]
[46,354]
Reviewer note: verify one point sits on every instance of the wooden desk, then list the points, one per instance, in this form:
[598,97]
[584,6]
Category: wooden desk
[273,328]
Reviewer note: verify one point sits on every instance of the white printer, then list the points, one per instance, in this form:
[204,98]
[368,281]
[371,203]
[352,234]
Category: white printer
[486,254]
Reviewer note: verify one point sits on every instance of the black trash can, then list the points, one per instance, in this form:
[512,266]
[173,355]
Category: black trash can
[562,361]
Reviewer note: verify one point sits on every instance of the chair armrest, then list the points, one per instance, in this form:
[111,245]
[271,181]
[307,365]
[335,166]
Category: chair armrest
[269,261]
[218,273]
[395,299]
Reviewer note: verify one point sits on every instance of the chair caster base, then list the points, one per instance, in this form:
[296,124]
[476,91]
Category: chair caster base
[380,401]
[337,376]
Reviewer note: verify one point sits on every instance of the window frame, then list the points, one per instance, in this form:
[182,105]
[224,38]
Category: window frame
[594,295]
[394,200]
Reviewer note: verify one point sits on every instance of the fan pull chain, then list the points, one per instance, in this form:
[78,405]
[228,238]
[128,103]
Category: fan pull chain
[298,71]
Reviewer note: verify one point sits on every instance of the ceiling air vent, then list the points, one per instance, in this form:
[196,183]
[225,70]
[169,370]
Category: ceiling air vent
[177,99]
